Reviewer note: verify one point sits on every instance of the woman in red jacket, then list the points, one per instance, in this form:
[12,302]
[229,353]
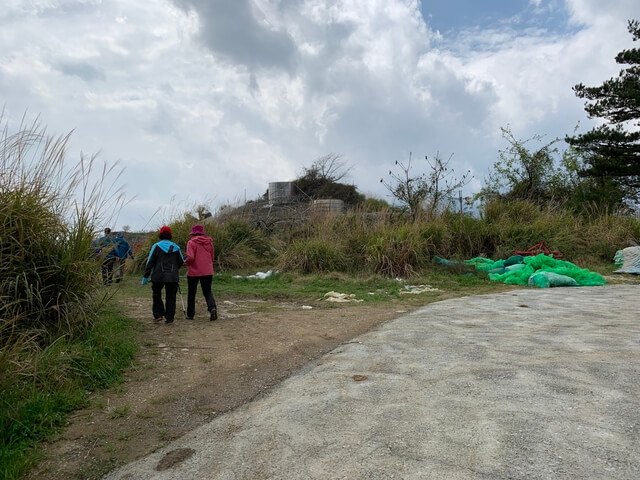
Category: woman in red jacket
[199,263]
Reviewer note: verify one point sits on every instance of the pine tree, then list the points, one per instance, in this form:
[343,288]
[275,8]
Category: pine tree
[611,151]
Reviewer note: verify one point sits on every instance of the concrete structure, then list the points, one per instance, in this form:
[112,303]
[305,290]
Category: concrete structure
[281,192]
[331,206]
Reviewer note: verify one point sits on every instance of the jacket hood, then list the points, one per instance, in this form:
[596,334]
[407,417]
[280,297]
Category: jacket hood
[201,240]
[165,246]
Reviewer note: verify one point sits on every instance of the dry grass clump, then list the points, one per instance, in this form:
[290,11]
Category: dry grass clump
[52,349]
[48,213]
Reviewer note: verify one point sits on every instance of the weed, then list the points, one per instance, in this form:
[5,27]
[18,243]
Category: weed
[120,412]
[51,382]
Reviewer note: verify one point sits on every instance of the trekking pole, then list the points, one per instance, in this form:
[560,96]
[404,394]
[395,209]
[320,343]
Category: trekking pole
[184,310]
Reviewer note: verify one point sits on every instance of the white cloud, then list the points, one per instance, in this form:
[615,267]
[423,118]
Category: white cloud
[196,114]
[600,14]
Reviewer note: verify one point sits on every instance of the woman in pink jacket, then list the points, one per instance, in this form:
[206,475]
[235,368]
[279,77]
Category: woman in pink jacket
[199,263]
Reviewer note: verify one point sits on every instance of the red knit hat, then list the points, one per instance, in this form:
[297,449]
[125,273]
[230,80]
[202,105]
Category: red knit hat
[165,229]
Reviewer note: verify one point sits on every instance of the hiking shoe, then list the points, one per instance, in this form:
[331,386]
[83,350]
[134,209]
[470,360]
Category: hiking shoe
[168,321]
[158,320]
[213,314]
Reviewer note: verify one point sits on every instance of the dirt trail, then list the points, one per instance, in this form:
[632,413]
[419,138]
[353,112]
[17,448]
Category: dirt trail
[191,371]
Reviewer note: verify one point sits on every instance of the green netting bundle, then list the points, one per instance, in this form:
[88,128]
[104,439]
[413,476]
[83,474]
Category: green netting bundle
[618,258]
[514,260]
[518,274]
[443,261]
[583,276]
[484,264]
[550,279]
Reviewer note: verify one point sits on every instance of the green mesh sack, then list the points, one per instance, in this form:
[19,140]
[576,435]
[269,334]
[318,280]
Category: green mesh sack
[618,258]
[514,260]
[545,261]
[443,261]
[484,264]
[498,271]
[507,268]
[582,276]
[550,279]
[518,276]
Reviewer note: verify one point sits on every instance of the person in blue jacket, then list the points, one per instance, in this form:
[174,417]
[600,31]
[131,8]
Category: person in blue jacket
[123,250]
[106,248]
[163,263]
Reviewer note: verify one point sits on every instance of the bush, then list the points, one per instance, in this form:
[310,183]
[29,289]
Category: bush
[315,255]
[50,290]
[48,278]
[384,244]
[237,244]
[395,252]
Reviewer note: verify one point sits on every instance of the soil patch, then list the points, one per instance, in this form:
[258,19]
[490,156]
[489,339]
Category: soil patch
[190,371]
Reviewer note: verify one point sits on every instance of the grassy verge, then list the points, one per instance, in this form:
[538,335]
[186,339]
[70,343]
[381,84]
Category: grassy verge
[297,287]
[44,385]
[456,281]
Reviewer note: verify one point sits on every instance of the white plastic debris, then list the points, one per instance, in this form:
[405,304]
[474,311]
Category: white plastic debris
[340,297]
[258,275]
[415,289]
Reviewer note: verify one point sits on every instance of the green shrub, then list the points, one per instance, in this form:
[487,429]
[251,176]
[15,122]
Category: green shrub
[50,288]
[375,205]
[237,244]
[467,236]
[396,251]
[365,242]
[49,281]
[606,234]
[315,256]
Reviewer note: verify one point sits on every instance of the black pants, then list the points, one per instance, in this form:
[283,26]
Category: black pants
[160,310]
[107,270]
[192,287]
[118,269]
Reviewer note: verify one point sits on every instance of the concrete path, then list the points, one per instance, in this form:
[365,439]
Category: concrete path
[534,383]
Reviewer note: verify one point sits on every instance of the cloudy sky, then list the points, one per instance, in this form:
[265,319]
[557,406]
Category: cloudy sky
[207,101]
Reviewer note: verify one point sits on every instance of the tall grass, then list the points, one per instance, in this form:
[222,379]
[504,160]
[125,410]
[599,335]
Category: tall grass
[48,215]
[50,288]
[237,244]
[381,243]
